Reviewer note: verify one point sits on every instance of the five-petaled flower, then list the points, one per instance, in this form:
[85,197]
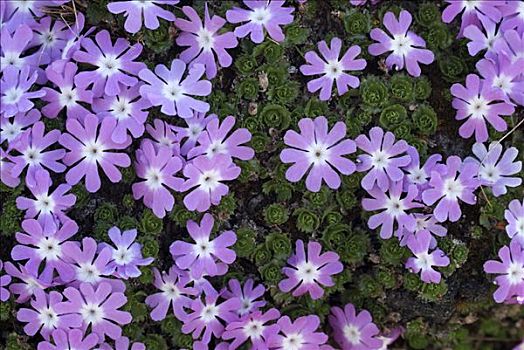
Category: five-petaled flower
[423,262]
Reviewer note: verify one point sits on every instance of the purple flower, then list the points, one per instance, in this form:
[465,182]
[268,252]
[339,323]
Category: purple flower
[354,331]
[320,150]
[423,222]
[158,168]
[394,207]
[13,47]
[166,88]
[363,2]
[502,74]
[31,146]
[479,102]
[332,68]
[203,40]
[127,255]
[390,337]
[129,110]
[30,282]
[75,37]
[268,15]
[51,36]
[123,343]
[298,335]
[215,140]
[511,44]
[68,96]
[419,175]
[25,12]
[209,317]
[115,66]
[482,40]
[195,127]
[164,135]
[10,130]
[512,16]
[471,10]
[87,150]
[47,314]
[89,266]
[149,10]
[36,246]
[173,291]
[4,283]
[407,47]
[247,295]
[254,327]
[515,217]
[381,162]
[308,273]
[14,90]
[98,308]
[48,207]
[72,339]
[511,272]
[201,256]
[6,167]
[205,178]
[494,171]
[424,261]
[457,183]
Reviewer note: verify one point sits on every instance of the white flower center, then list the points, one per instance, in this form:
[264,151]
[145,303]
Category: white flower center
[123,256]
[68,97]
[92,313]
[516,273]
[318,154]
[209,313]
[93,151]
[13,95]
[260,15]
[379,159]
[44,204]
[205,39]
[293,341]
[121,108]
[11,59]
[253,329]
[307,272]
[193,131]
[424,261]
[209,180]
[142,3]
[520,226]
[421,223]
[489,172]
[49,248]
[503,82]
[10,131]
[173,91]
[352,334]
[32,156]
[203,247]
[333,69]
[401,45]
[417,176]
[395,206]
[217,147]
[170,291]
[470,5]
[246,306]
[48,318]
[452,189]
[88,273]
[47,38]
[154,179]
[108,65]
[478,107]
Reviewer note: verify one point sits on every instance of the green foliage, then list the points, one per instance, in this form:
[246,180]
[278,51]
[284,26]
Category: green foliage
[248,89]
[433,291]
[357,22]
[276,214]
[374,92]
[279,244]
[425,119]
[246,64]
[391,253]
[284,93]
[262,254]
[275,116]
[106,213]
[245,244]
[438,37]
[296,35]
[271,272]
[393,116]
[402,87]
[427,14]
[307,221]
[422,88]
[453,68]
[159,40]
[150,224]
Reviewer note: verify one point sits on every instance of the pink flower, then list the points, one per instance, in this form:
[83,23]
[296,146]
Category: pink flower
[247,295]
[408,49]
[158,168]
[479,102]
[308,273]
[72,339]
[202,256]
[253,327]
[320,150]
[89,146]
[148,11]
[423,262]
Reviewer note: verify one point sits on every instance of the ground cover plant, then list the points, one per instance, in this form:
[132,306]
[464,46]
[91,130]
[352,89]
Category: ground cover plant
[265,175]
